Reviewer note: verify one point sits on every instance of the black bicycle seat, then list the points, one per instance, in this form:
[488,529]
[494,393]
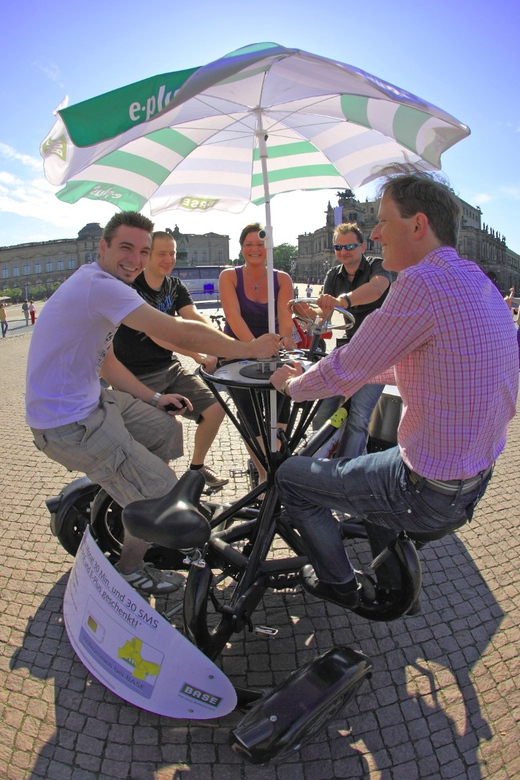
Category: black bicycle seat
[172,520]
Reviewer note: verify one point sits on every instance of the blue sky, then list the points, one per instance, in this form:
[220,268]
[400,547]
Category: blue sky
[461,56]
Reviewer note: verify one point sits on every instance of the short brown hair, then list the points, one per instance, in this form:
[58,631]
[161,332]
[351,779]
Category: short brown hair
[162,234]
[254,227]
[421,192]
[349,227]
[129,219]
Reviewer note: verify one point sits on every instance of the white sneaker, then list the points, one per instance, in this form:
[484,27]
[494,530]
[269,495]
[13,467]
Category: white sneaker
[152,581]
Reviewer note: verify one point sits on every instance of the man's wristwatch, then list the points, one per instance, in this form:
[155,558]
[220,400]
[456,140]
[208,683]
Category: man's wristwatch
[345,298]
[283,388]
[155,399]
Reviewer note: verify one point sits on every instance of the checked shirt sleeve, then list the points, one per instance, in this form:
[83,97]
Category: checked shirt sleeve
[384,339]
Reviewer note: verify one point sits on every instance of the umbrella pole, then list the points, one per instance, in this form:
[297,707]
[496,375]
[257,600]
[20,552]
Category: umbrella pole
[271,311]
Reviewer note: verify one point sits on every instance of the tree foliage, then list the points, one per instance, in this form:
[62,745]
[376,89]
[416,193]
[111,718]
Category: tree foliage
[282,256]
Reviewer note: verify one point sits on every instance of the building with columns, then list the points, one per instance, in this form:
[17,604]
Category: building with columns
[477,242]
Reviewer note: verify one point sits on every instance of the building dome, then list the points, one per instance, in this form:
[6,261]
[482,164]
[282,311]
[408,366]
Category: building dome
[93,231]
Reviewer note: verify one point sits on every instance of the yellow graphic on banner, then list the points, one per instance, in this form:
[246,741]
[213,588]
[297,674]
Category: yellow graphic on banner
[131,652]
[57,146]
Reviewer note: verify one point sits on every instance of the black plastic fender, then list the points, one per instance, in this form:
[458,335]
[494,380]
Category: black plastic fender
[396,603]
[70,512]
[298,709]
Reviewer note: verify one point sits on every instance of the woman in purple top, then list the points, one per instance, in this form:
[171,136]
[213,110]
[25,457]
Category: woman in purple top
[243,294]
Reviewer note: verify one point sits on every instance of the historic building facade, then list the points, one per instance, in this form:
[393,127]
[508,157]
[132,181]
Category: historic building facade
[35,269]
[477,242]
[206,249]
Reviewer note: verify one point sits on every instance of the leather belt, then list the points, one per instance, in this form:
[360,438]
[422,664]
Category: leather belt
[449,487]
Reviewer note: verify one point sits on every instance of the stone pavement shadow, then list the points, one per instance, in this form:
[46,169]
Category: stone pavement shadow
[47,654]
[420,714]
[97,735]
[418,717]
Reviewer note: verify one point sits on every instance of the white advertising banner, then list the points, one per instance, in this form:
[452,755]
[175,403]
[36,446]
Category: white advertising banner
[133,650]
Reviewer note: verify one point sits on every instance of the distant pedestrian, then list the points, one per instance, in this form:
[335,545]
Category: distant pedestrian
[296,292]
[32,312]
[25,310]
[308,291]
[3,320]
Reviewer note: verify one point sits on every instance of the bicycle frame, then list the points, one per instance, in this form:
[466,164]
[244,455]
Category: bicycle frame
[255,529]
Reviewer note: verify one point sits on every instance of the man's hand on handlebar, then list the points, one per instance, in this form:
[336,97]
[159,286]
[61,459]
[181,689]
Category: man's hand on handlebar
[327,304]
[280,376]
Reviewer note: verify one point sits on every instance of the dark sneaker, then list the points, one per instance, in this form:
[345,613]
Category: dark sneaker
[147,579]
[310,583]
[212,481]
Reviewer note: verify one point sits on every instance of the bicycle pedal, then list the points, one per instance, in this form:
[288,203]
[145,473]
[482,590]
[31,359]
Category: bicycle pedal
[265,631]
[208,490]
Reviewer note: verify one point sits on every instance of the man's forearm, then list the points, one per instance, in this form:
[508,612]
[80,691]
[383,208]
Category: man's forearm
[119,376]
[196,336]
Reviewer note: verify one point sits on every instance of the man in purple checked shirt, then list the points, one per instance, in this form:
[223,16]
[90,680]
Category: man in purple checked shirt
[446,338]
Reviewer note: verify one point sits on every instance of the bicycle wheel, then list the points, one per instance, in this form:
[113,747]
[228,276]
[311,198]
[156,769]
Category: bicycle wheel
[217,603]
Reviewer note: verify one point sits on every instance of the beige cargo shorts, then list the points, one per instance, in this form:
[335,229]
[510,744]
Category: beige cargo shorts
[122,446]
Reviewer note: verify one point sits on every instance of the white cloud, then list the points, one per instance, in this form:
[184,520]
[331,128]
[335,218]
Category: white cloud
[26,159]
[482,197]
[8,179]
[35,200]
[51,71]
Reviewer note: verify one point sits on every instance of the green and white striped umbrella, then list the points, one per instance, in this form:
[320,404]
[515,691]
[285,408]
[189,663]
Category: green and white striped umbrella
[260,121]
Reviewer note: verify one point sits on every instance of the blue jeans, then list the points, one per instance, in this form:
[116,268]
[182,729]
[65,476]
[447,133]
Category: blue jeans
[353,440]
[374,487]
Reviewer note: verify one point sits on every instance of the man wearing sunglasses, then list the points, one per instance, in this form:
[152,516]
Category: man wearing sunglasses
[359,284]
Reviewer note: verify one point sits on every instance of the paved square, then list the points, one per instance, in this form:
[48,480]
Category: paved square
[443,701]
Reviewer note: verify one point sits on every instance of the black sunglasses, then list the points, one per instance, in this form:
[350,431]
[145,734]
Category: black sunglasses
[348,247]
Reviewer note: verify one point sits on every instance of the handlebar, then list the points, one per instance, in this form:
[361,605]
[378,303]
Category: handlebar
[318,324]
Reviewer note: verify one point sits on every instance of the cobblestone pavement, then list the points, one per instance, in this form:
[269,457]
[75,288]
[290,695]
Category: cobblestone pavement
[443,701]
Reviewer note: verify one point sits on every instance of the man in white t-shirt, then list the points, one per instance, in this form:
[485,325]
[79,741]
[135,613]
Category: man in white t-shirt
[120,437]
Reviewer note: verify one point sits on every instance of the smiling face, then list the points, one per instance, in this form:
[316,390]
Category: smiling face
[127,253]
[162,257]
[349,258]
[396,236]
[253,250]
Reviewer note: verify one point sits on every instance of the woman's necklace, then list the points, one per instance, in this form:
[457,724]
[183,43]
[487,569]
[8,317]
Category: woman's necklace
[256,285]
